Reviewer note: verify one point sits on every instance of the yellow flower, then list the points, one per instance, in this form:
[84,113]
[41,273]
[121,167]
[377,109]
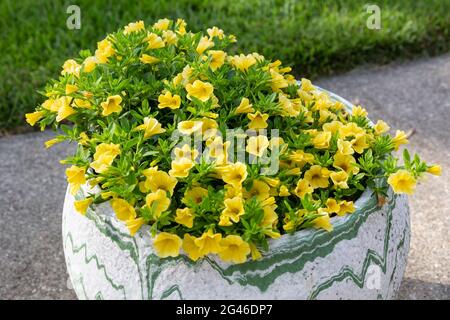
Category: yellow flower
[360,143]
[162,24]
[185,152]
[344,147]
[111,105]
[159,180]
[278,82]
[381,127]
[200,90]
[168,101]
[195,195]
[234,250]
[64,111]
[340,179]
[181,167]
[189,246]
[104,156]
[303,188]
[224,221]
[235,174]
[34,117]
[151,127]
[345,162]
[307,85]
[89,64]
[399,139]
[215,32]
[75,178]
[258,120]
[185,217]
[134,27]
[270,218]
[234,208]
[359,111]
[290,107]
[81,103]
[209,128]
[350,129]
[323,221]
[189,127]
[148,59]
[167,245]
[322,140]
[317,176]
[158,202]
[244,107]
[71,67]
[181,27]
[217,59]
[402,182]
[204,44]
[257,145]
[332,206]
[124,211]
[284,192]
[71,88]
[256,255]
[301,158]
[134,225]
[51,142]
[154,41]
[332,126]
[259,189]
[435,170]
[243,62]
[104,51]
[345,207]
[170,37]
[81,206]
[84,139]
[209,243]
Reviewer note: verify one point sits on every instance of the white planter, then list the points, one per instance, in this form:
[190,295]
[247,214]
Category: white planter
[364,257]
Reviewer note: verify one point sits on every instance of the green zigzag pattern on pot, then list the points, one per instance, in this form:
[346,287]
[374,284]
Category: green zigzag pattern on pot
[154,265]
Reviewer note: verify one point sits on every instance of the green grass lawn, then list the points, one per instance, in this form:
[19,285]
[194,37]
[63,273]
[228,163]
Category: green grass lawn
[314,37]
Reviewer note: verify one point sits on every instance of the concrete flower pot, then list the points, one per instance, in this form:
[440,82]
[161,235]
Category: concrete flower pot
[364,257]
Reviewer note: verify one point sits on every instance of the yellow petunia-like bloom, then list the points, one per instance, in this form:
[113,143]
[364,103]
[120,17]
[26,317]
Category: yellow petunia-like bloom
[180,167]
[75,177]
[200,90]
[64,111]
[71,88]
[209,242]
[278,82]
[259,189]
[185,217]
[204,44]
[189,246]
[104,51]
[235,174]
[154,41]
[170,37]
[162,24]
[148,59]
[345,147]
[81,206]
[381,127]
[124,211]
[360,143]
[104,156]
[345,162]
[34,117]
[345,207]
[71,67]
[322,140]
[189,127]
[217,59]
[159,180]
[402,182]
[167,245]
[234,208]
[340,179]
[158,202]
[168,101]
[399,139]
[150,127]
[317,176]
[215,32]
[284,191]
[243,62]
[89,64]
[244,107]
[234,250]
[258,120]
[435,170]
[359,111]
[111,105]
[323,222]
[257,145]
[134,225]
[195,195]
[303,188]
[134,27]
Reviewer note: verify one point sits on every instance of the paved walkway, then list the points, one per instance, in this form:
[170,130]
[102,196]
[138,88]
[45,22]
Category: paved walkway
[414,95]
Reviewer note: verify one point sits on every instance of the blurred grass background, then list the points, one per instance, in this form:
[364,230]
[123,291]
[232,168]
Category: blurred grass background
[314,37]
